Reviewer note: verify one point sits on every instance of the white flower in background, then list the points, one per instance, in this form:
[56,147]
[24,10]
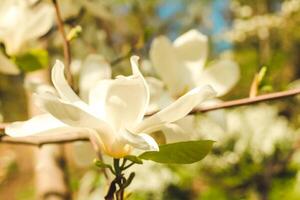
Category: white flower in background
[21,22]
[90,73]
[181,65]
[153,177]
[114,116]
[256,130]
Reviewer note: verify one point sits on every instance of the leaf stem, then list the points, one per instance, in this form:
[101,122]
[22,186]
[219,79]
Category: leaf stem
[124,168]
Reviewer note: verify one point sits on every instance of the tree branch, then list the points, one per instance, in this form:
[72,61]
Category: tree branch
[72,137]
[41,140]
[251,100]
[66,43]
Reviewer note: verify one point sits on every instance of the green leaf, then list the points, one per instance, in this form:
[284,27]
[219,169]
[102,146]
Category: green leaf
[180,153]
[32,60]
[134,159]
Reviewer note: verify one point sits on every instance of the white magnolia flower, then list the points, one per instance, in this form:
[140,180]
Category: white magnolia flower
[181,65]
[114,116]
[21,22]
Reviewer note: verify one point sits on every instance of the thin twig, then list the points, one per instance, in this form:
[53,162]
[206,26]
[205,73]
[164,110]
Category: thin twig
[66,43]
[248,101]
[41,140]
[71,138]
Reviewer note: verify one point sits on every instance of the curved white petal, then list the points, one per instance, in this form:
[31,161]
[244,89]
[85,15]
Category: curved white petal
[192,48]
[94,68]
[146,92]
[40,20]
[7,66]
[41,124]
[124,99]
[140,141]
[60,83]
[74,116]
[97,97]
[169,67]
[177,110]
[222,76]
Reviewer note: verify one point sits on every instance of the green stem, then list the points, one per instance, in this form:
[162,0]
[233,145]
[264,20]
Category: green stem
[119,181]
[124,168]
[123,163]
[117,166]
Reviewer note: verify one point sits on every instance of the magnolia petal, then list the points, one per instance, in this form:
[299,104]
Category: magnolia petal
[94,69]
[74,116]
[31,22]
[60,83]
[124,99]
[171,69]
[222,76]
[97,97]
[192,48]
[177,110]
[38,125]
[140,141]
[7,66]
[10,15]
[41,19]
[146,91]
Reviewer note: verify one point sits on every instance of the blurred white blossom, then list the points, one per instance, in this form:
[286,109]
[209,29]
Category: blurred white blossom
[181,66]
[31,21]
[152,177]
[247,25]
[257,130]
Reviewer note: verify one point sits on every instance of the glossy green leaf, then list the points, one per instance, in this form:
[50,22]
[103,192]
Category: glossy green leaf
[180,153]
[32,60]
